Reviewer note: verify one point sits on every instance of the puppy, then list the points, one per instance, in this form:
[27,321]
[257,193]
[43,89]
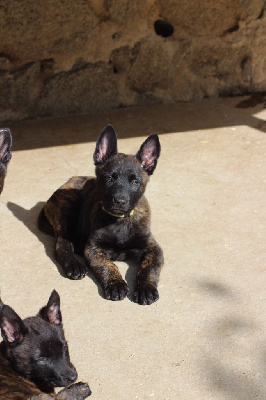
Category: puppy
[107,218]
[34,356]
[5,154]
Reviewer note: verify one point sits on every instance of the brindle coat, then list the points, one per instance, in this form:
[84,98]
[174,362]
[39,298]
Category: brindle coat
[107,218]
[5,153]
[34,356]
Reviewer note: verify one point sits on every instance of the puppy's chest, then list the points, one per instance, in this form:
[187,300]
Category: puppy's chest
[122,234]
[119,236]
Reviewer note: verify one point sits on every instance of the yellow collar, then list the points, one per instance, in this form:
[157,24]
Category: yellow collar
[118,215]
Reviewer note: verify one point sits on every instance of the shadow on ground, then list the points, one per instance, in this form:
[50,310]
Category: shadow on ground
[229,336]
[207,114]
[29,219]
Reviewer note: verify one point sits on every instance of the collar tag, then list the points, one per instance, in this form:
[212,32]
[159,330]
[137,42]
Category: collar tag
[118,215]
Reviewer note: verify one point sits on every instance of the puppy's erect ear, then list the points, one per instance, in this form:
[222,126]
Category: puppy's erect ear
[12,327]
[1,303]
[51,313]
[149,153]
[5,145]
[106,145]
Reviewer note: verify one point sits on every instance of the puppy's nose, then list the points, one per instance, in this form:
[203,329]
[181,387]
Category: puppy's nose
[120,200]
[72,375]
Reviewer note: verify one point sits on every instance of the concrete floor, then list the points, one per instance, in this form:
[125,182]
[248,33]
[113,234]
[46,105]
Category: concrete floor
[205,338]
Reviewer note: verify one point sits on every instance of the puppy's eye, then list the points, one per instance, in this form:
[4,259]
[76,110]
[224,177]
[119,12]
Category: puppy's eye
[109,178]
[42,360]
[134,181]
[112,178]
[64,347]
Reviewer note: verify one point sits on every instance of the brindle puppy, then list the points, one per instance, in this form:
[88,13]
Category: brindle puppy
[108,218]
[34,356]
[5,154]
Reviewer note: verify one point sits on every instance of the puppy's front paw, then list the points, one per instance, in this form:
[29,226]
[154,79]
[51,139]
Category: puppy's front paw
[116,291]
[145,293]
[77,391]
[75,270]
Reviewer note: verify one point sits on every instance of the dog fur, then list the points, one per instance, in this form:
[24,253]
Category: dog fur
[5,154]
[107,218]
[34,356]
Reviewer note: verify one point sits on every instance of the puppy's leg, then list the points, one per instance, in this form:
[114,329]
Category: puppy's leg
[77,391]
[148,274]
[64,251]
[107,273]
[61,213]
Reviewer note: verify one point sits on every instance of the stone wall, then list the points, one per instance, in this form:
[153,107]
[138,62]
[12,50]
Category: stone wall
[61,57]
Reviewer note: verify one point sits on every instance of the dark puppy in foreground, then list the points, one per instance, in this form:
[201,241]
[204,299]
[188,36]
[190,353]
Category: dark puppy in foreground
[5,154]
[107,218]
[34,356]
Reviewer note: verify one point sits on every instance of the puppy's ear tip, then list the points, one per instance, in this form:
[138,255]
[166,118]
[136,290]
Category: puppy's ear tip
[5,145]
[5,130]
[54,296]
[1,302]
[109,129]
[6,133]
[109,126]
[154,136]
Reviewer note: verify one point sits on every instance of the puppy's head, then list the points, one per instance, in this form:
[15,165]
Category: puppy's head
[122,178]
[5,154]
[36,346]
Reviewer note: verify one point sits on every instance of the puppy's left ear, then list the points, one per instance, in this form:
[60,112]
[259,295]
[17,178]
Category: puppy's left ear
[149,153]
[51,313]
[106,145]
[13,329]
[5,145]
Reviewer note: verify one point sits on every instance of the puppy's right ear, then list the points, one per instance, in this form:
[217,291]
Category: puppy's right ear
[51,313]
[106,145]
[149,153]
[5,145]
[13,329]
